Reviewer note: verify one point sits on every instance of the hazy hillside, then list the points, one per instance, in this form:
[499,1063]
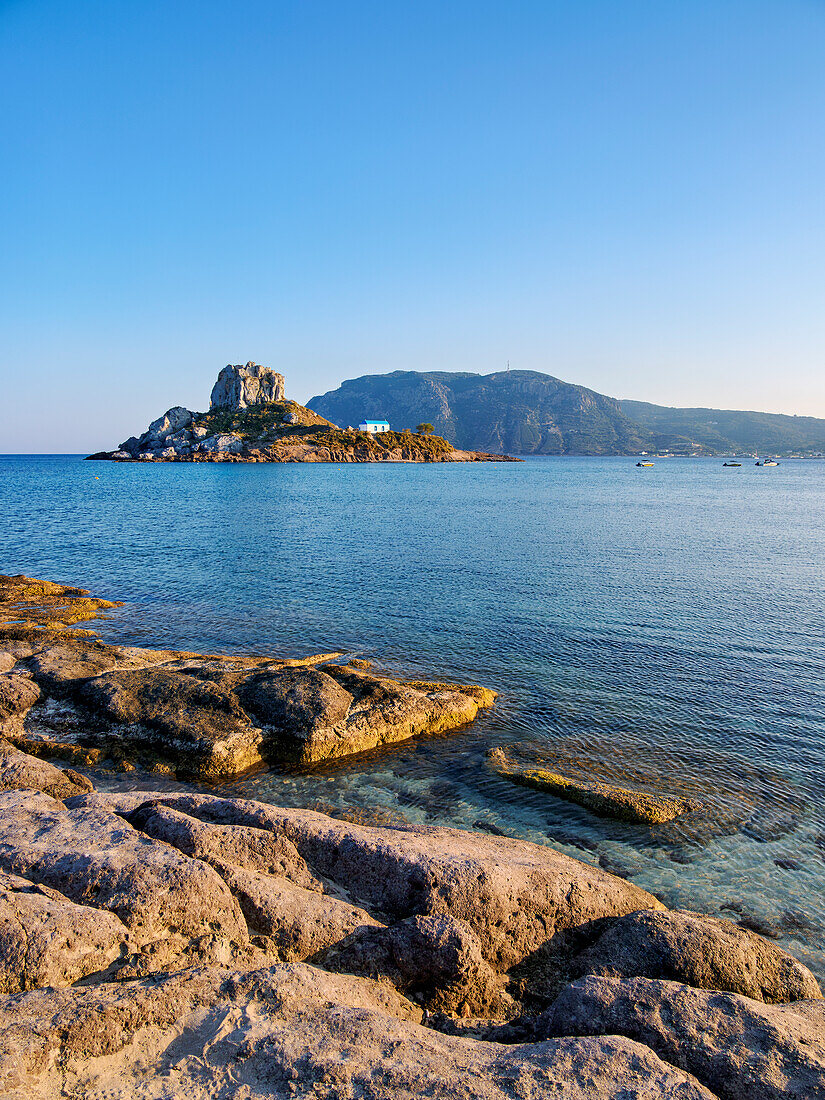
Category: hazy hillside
[728,430]
[525,412]
[519,412]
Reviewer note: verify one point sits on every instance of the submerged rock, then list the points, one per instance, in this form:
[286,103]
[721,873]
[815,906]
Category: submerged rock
[602,798]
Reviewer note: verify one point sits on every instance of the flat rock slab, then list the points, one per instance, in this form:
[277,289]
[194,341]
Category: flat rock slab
[294,1031]
[197,722]
[212,717]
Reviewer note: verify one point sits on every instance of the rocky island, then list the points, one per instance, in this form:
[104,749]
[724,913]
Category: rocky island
[250,420]
[172,943]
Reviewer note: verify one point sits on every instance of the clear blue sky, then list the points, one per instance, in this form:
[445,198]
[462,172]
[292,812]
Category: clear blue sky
[627,194]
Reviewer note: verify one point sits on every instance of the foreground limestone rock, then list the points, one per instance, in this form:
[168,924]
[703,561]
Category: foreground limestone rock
[19,771]
[208,717]
[513,895]
[17,695]
[94,857]
[47,940]
[295,1031]
[700,951]
[739,1048]
[211,897]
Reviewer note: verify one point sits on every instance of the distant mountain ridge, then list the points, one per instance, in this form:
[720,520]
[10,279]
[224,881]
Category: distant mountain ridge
[527,412]
[510,411]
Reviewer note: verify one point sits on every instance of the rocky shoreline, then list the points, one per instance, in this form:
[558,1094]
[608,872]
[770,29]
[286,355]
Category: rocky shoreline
[65,693]
[162,944]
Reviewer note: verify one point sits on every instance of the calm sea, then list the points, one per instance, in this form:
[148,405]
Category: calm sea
[657,627]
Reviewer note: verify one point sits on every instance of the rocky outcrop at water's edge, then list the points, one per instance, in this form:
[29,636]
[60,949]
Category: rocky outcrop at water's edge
[65,692]
[169,943]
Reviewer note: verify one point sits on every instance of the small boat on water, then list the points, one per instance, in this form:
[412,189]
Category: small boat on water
[731,463]
[768,462]
[644,463]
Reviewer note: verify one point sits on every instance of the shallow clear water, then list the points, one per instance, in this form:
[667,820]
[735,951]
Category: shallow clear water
[661,627]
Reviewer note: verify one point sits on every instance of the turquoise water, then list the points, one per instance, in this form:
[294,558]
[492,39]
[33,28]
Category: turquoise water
[660,627]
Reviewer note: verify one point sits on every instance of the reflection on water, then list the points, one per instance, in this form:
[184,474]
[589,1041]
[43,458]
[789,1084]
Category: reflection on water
[659,629]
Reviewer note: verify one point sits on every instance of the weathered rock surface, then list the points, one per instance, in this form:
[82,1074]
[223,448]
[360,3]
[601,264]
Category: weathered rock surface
[107,889]
[17,695]
[739,1048]
[295,923]
[700,951]
[31,610]
[294,1031]
[239,387]
[295,700]
[95,858]
[173,426]
[334,711]
[63,665]
[45,939]
[252,849]
[19,771]
[513,895]
[437,959]
[121,886]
